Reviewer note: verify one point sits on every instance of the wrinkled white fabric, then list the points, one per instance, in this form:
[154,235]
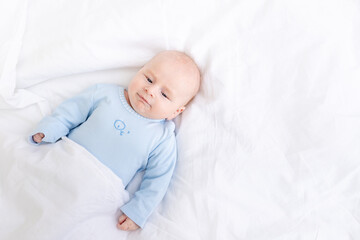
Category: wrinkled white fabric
[58,192]
[269,147]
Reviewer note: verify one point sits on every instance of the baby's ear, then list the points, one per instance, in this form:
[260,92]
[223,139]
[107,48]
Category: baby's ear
[177,112]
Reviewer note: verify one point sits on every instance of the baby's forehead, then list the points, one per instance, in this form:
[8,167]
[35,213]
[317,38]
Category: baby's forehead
[169,64]
[175,58]
[173,55]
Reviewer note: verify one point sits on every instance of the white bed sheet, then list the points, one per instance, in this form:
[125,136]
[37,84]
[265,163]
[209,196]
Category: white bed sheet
[269,149]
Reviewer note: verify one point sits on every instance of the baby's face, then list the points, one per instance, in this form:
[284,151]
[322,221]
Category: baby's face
[163,86]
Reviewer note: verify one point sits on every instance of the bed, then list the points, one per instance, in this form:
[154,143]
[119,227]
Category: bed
[268,149]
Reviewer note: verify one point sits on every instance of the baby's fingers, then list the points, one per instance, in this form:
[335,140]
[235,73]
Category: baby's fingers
[38,137]
[126,224]
[122,219]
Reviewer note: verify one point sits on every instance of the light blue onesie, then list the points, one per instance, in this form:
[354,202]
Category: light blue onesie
[101,120]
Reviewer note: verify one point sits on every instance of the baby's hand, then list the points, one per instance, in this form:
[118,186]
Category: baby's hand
[38,137]
[126,224]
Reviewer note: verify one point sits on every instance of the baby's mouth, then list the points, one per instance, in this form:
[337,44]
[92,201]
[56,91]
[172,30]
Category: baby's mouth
[143,99]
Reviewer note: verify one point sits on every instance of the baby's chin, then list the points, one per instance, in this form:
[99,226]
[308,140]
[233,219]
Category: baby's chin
[145,112]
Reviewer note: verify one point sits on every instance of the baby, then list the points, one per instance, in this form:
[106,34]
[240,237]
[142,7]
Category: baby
[130,130]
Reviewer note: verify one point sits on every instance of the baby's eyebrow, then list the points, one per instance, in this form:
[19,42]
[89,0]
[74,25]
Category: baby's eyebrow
[152,74]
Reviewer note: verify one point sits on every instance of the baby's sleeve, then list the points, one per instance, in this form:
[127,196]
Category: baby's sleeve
[155,182]
[68,115]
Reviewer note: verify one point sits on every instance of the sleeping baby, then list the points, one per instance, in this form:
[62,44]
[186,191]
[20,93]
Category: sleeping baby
[130,130]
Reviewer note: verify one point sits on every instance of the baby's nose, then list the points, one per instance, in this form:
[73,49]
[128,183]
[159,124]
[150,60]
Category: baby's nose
[149,91]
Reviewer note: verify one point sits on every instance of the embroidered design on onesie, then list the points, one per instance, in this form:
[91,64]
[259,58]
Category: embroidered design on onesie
[120,125]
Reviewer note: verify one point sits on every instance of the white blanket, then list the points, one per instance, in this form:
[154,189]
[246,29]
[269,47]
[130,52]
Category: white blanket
[58,191]
[269,148]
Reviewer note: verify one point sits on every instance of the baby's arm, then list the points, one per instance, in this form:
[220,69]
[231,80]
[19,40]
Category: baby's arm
[126,224]
[68,115]
[154,184]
